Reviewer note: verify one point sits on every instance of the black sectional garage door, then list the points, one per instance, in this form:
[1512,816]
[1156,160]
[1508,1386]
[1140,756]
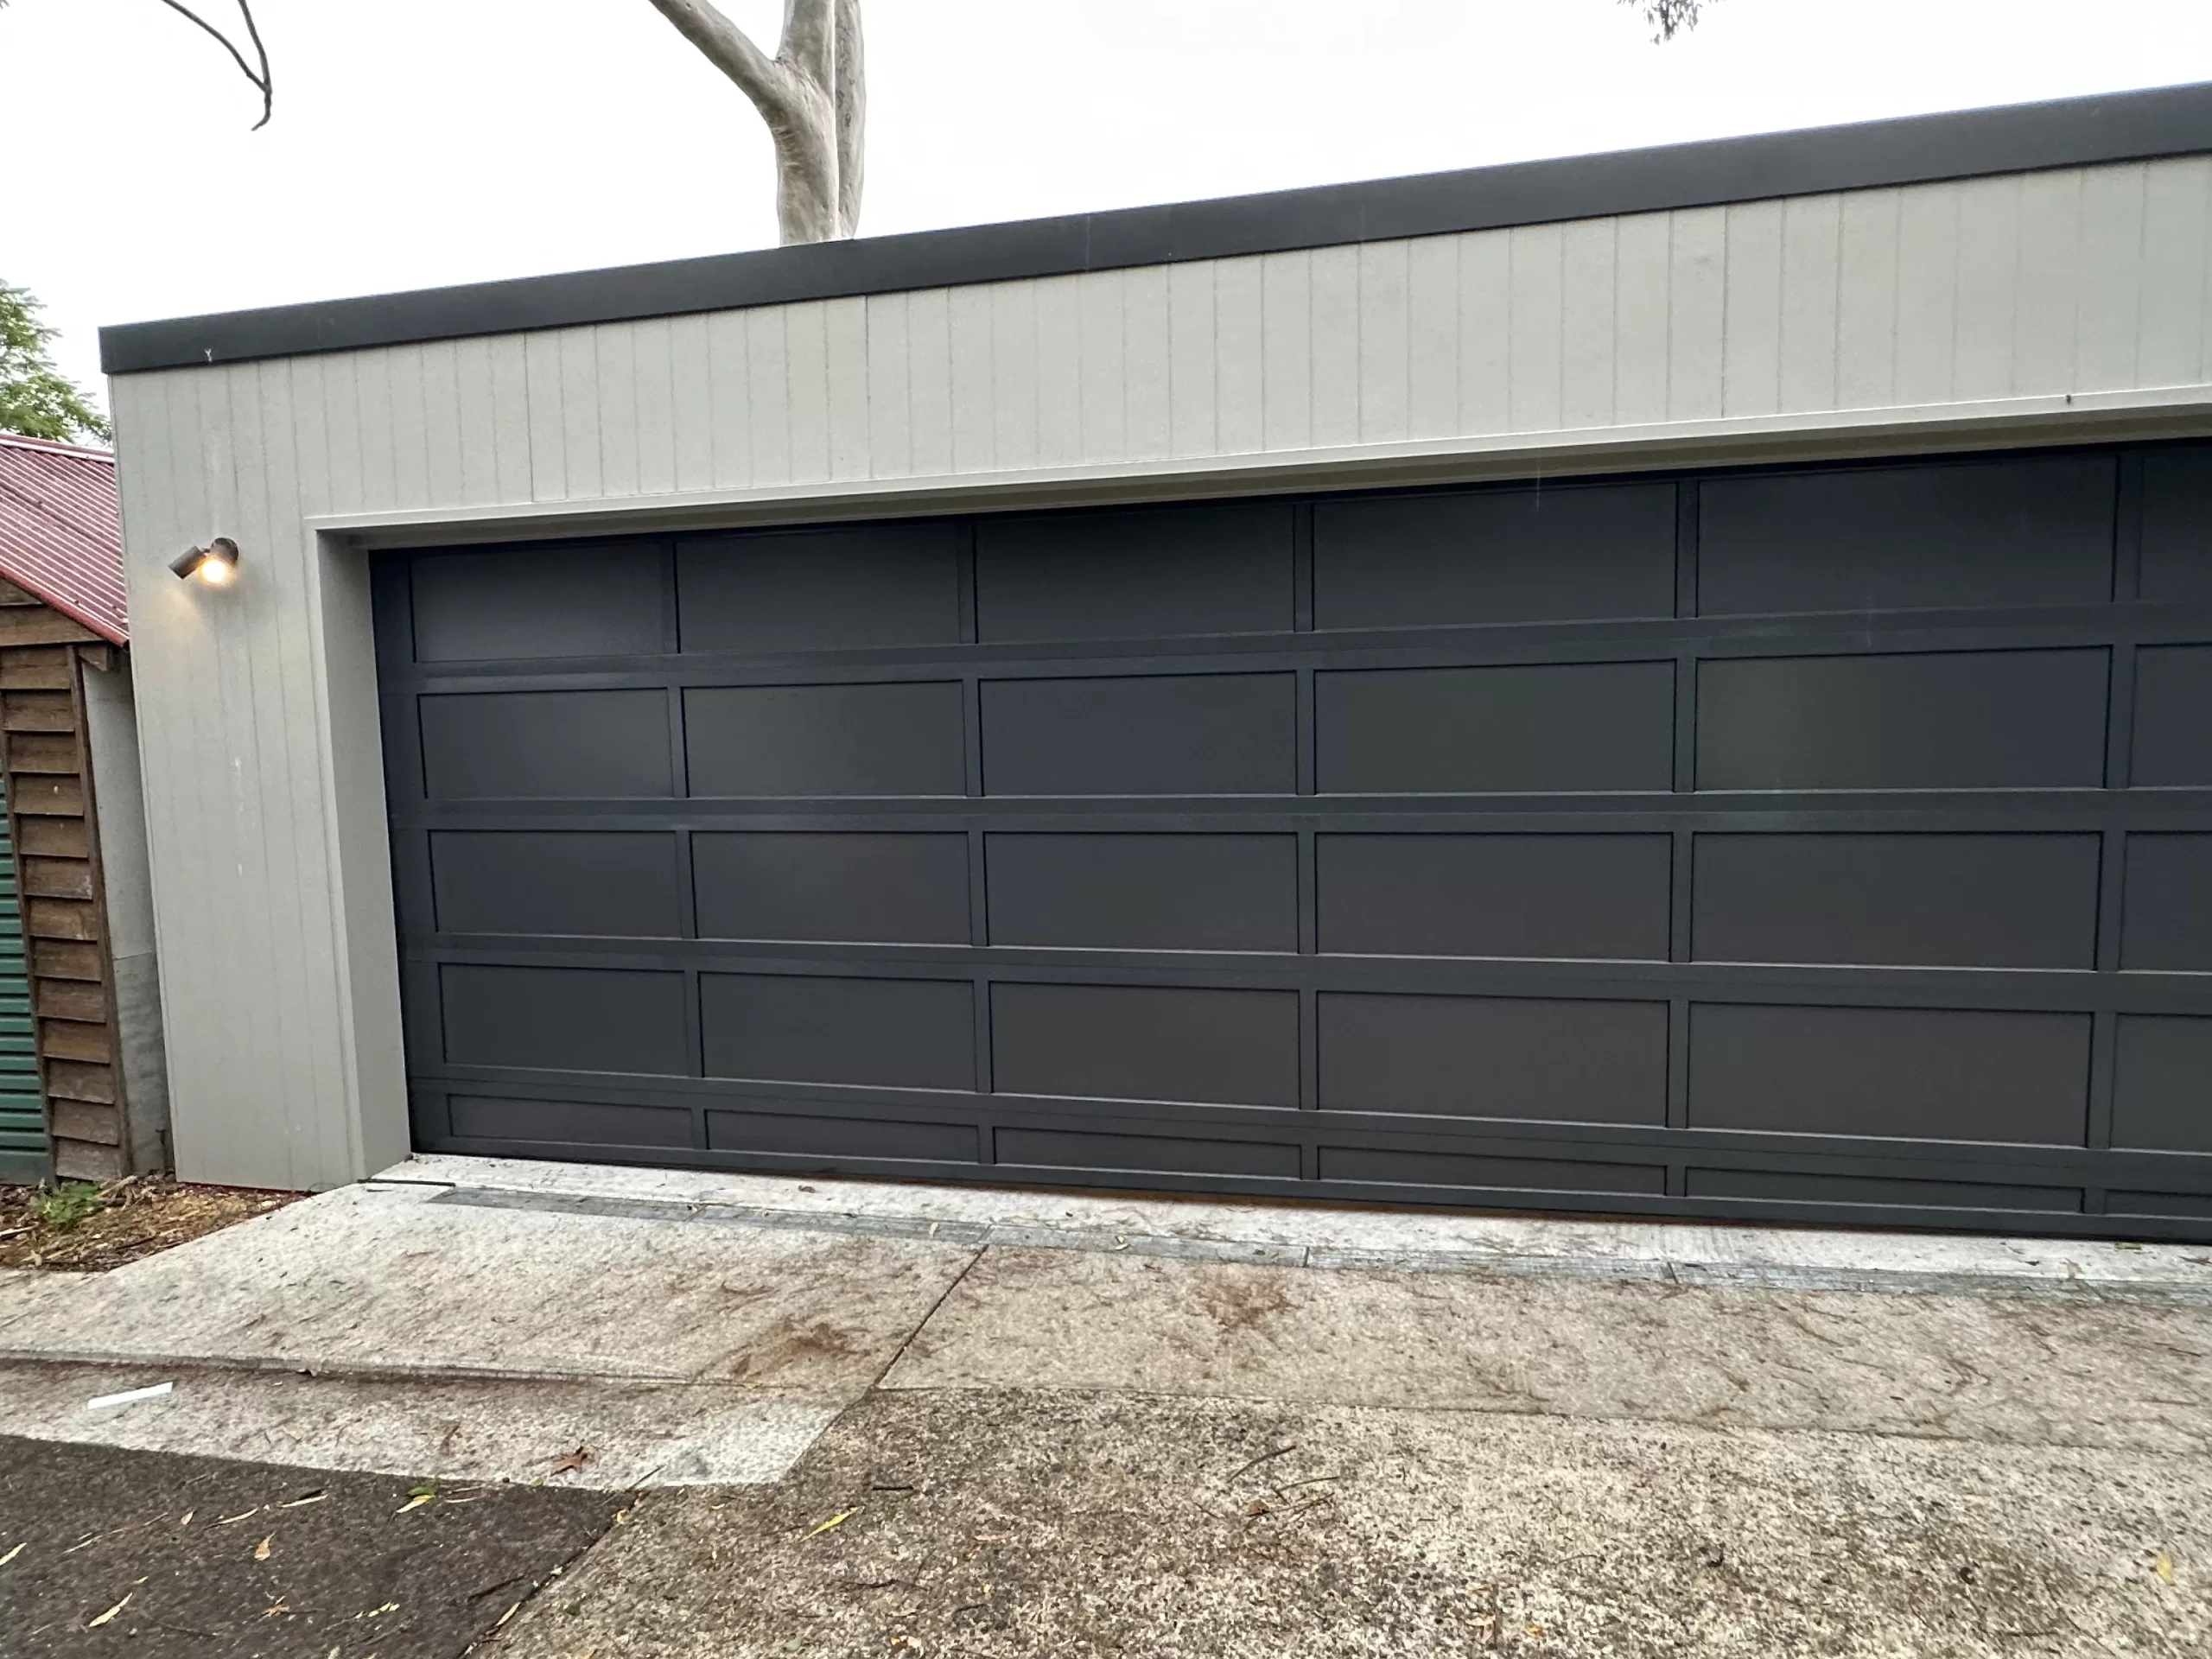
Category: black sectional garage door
[1829,844]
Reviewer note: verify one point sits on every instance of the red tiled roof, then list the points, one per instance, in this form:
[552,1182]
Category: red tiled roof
[61,536]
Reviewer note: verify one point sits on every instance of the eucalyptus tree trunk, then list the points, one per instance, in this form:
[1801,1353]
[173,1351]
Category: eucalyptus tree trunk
[813,96]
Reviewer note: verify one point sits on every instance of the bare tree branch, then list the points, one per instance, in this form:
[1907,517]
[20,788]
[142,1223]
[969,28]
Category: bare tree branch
[261,77]
[810,43]
[728,48]
[798,93]
[851,102]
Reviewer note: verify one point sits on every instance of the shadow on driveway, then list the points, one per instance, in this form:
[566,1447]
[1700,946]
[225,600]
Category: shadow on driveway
[163,1556]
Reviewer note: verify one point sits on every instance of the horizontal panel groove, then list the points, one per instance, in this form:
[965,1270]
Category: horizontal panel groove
[2057,990]
[1779,633]
[1626,810]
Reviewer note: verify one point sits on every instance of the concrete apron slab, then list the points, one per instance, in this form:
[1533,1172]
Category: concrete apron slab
[369,1329]
[23,1289]
[382,1282]
[1324,1236]
[2031,1372]
[449,1429]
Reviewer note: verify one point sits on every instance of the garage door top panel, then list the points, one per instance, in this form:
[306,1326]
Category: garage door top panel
[1975,536]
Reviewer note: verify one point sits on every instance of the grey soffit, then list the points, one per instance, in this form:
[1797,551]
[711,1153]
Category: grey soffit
[2016,138]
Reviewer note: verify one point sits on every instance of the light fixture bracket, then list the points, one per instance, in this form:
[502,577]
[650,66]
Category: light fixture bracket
[215,563]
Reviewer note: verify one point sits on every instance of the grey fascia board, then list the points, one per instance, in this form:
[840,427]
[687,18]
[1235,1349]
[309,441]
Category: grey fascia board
[2017,138]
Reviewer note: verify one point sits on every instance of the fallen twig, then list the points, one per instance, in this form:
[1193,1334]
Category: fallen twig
[1262,1458]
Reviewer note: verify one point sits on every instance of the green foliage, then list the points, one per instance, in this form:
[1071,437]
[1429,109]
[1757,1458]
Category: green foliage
[35,399]
[67,1204]
[1668,18]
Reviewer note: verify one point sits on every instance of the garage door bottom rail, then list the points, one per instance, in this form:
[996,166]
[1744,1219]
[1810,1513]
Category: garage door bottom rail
[1341,1157]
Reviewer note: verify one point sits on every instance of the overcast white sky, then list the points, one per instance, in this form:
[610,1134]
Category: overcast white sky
[423,142]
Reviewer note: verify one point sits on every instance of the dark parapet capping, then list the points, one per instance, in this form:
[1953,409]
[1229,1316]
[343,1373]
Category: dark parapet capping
[2016,138]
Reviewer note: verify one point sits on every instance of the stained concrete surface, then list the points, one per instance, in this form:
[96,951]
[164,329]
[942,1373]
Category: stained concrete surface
[1699,1251]
[23,1289]
[1020,1523]
[383,1282]
[169,1557]
[474,1428]
[2020,1369]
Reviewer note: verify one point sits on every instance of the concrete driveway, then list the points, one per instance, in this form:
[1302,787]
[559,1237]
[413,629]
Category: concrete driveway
[875,1419]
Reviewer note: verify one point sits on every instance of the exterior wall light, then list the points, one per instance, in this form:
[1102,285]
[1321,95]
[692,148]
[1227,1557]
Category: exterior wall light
[216,564]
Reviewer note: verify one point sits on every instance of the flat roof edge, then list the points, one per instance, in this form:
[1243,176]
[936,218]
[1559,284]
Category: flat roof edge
[1916,149]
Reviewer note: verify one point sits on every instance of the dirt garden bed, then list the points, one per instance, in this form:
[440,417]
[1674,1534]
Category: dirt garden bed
[81,1228]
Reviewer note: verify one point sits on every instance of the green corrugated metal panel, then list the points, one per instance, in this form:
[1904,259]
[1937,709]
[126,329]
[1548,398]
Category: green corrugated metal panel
[23,1154]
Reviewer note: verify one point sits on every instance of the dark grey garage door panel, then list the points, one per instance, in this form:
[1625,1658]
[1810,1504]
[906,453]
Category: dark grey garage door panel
[596,600]
[821,590]
[1158,572]
[1545,555]
[1164,1155]
[1537,1059]
[1446,1169]
[1546,726]
[1927,1074]
[890,739]
[2162,1095]
[565,1019]
[1598,897]
[2194,1205]
[2173,716]
[1169,734]
[1771,1186]
[546,745]
[846,886]
[2031,531]
[569,1122]
[1953,720]
[609,884]
[1143,892]
[829,1134]
[2177,525]
[885,1033]
[1830,843]
[1937,901]
[1146,1042]
[2169,904]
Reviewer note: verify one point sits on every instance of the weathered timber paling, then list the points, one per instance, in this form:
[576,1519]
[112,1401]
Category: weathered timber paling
[43,748]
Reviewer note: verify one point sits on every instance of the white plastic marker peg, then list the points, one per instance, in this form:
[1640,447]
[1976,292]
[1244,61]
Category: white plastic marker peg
[128,1396]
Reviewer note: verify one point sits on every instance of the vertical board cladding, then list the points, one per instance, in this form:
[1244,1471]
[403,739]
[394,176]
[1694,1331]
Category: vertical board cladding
[1737,843]
[258,710]
[58,1030]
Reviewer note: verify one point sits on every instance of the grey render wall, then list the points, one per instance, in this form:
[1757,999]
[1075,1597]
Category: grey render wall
[1997,310]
